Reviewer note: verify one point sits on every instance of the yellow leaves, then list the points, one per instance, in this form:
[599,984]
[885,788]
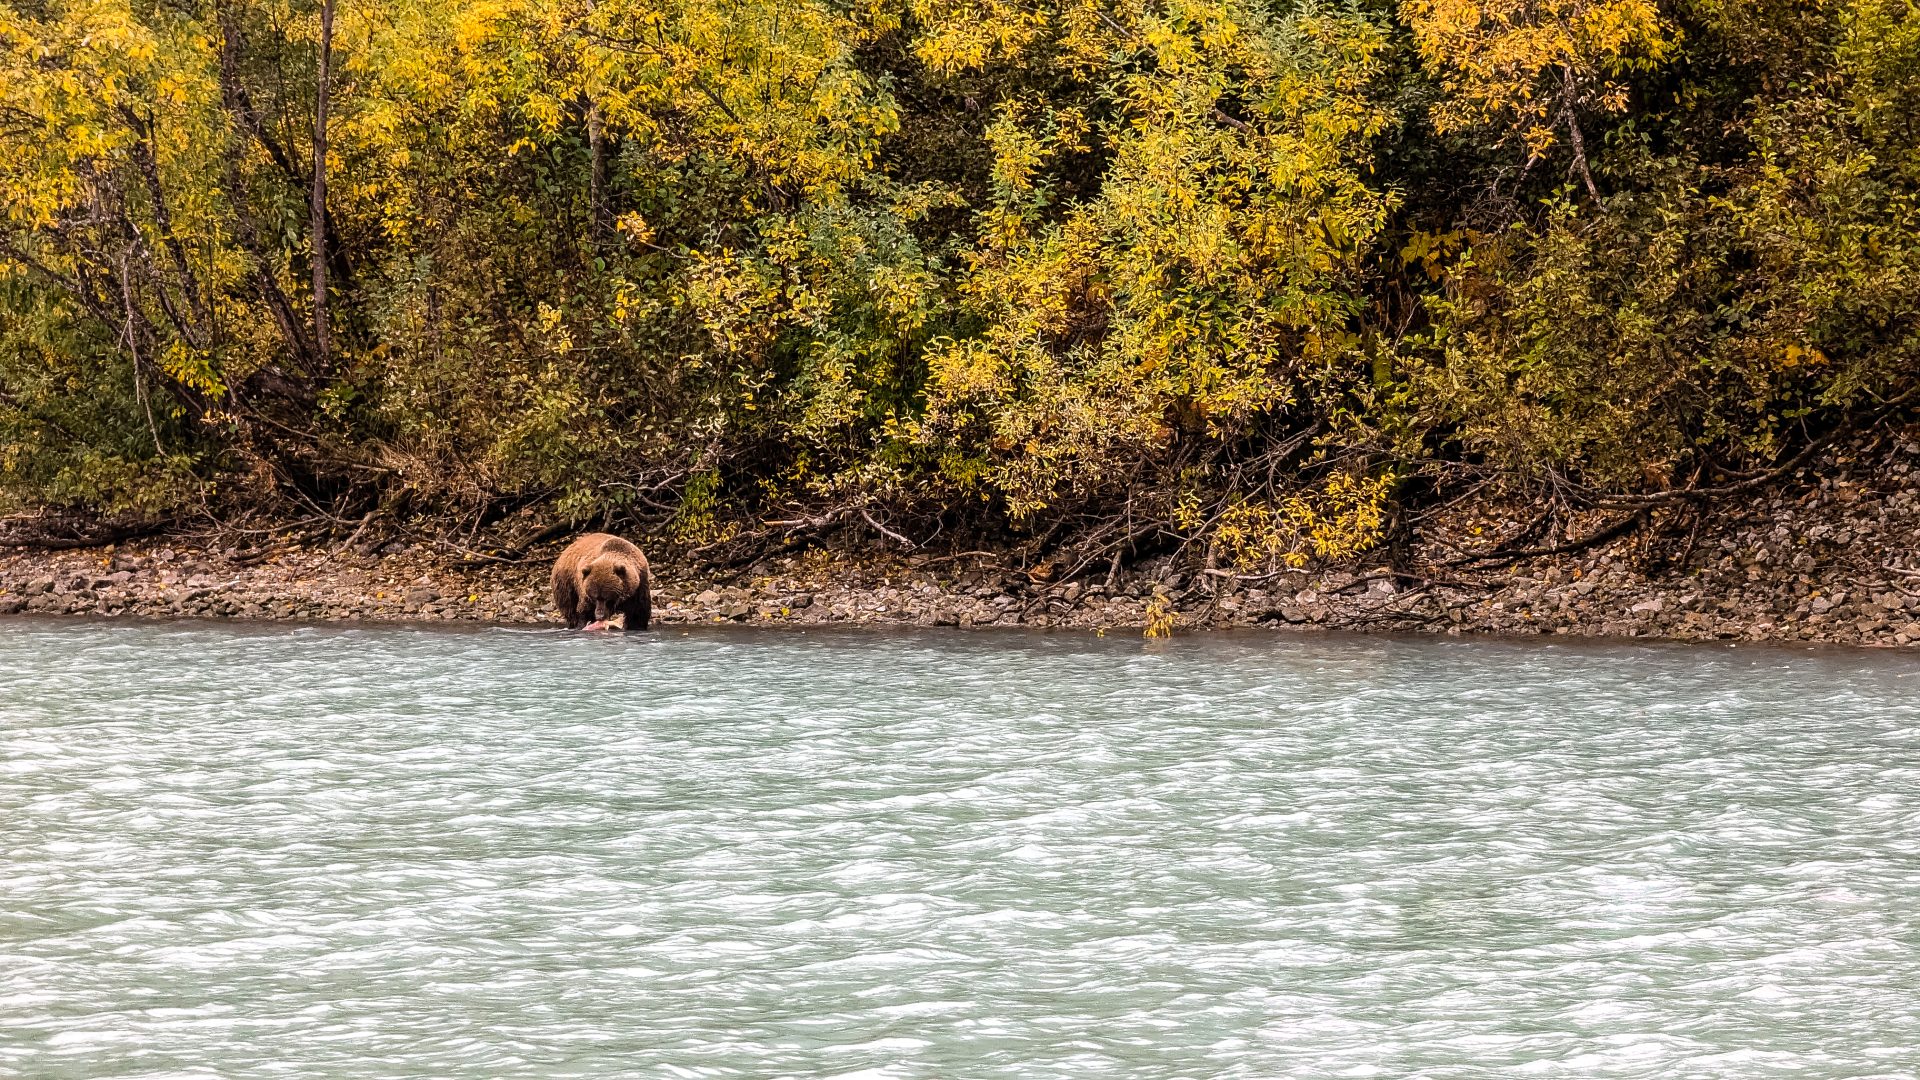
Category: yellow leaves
[635,227]
[67,78]
[1796,355]
[1432,251]
[905,294]
[192,368]
[1188,514]
[478,25]
[171,90]
[1017,152]
[1216,251]
[959,370]
[1161,619]
[732,296]
[1345,519]
[549,324]
[1339,520]
[773,85]
[963,35]
[1530,62]
[545,110]
[81,88]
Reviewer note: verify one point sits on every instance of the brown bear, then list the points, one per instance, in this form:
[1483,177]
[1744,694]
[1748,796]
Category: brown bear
[598,575]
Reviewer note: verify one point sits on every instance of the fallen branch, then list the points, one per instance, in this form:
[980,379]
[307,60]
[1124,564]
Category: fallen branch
[921,564]
[884,531]
[111,535]
[1601,536]
[1691,494]
[518,552]
[800,532]
[1400,575]
[1268,576]
[358,532]
[1871,585]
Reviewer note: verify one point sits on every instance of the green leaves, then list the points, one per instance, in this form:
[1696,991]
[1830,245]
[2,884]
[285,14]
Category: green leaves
[1246,260]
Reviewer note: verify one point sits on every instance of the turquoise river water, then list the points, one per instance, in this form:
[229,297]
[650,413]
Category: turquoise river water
[329,852]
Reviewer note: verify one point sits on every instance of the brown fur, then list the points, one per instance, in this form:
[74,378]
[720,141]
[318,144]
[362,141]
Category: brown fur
[599,575]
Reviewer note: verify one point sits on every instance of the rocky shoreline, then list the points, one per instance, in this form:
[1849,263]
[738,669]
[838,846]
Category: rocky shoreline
[1832,559]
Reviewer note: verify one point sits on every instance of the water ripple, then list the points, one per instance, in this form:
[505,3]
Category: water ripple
[235,852]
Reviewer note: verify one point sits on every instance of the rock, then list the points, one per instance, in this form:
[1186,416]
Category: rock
[1649,607]
[12,605]
[707,598]
[800,601]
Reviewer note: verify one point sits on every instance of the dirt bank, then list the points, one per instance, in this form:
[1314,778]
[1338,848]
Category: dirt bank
[1829,555]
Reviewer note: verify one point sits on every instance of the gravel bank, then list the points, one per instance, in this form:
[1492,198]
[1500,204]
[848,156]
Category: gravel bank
[1828,560]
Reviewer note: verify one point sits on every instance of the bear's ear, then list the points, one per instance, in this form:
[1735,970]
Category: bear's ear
[620,571]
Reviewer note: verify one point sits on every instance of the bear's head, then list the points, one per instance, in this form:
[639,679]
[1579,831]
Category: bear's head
[606,583]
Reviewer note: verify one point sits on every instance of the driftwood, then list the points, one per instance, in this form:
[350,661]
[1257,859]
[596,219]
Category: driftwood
[1598,536]
[513,556]
[68,536]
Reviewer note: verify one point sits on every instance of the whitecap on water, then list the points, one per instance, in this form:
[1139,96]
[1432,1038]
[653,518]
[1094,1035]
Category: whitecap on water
[410,853]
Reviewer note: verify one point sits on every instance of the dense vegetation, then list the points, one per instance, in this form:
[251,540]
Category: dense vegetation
[1103,274]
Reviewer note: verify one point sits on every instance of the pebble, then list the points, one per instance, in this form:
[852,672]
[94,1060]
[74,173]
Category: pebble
[1781,569]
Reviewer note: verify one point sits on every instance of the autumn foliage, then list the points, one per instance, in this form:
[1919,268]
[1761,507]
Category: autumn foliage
[1220,275]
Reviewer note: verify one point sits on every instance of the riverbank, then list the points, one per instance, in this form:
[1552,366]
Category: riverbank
[1830,559]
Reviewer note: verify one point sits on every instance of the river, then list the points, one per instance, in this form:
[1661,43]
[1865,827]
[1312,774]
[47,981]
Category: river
[334,852]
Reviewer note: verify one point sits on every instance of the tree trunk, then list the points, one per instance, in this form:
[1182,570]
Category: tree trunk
[1573,133]
[601,223]
[1580,157]
[319,206]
